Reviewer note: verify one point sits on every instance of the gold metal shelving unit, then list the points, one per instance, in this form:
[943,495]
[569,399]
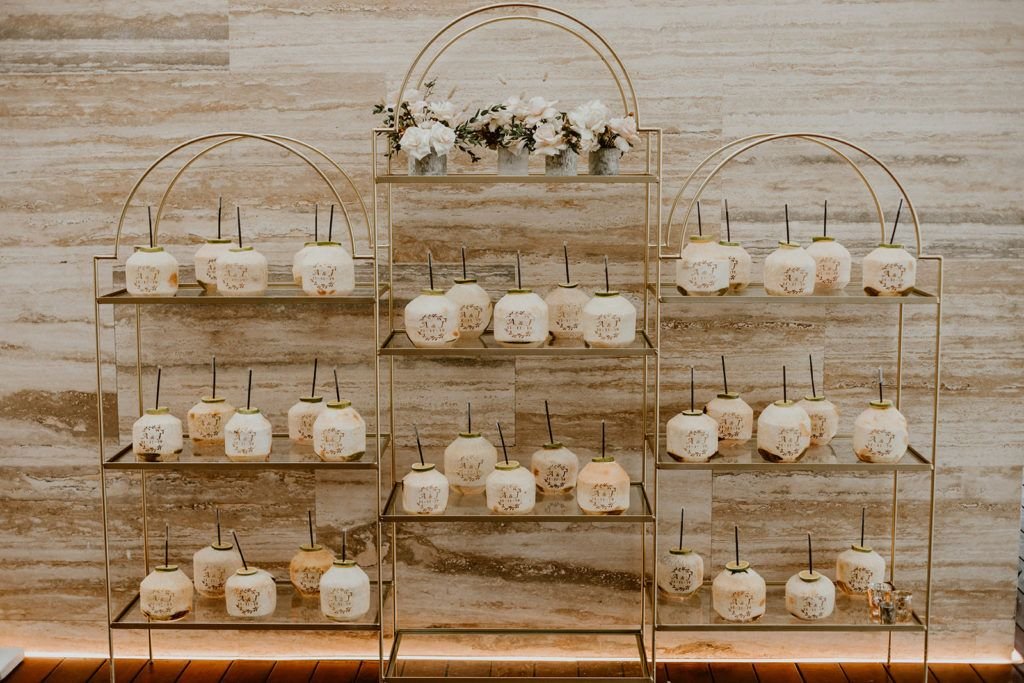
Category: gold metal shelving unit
[851,614]
[293,613]
[560,509]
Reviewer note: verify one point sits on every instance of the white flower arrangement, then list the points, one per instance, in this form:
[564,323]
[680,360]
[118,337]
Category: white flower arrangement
[598,129]
[512,125]
[425,125]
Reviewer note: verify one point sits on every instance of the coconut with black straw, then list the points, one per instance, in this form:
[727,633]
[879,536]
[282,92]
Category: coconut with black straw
[337,387]
[547,416]
[316,362]
[149,212]
[238,220]
[419,446]
[896,222]
[728,231]
[810,359]
[238,547]
[248,392]
[725,377]
[501,436]
[565,255]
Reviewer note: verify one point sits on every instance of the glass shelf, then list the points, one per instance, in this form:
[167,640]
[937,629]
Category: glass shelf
[837,456]
[630,666]
[276,293]
[671,295]
[398,344]
[294,612]
[284,455]
[494,179]
[695,613]
[549,508]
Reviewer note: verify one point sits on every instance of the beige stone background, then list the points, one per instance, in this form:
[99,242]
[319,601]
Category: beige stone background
[93,91]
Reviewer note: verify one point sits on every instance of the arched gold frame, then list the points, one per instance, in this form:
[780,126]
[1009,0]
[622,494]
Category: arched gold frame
[630,102]
[753,141]
[234,136]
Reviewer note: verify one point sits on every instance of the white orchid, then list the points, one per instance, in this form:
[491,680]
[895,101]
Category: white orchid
[416,142]
[442,138]
[548,139]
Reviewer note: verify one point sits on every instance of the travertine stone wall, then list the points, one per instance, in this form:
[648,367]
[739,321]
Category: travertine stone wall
[93,91]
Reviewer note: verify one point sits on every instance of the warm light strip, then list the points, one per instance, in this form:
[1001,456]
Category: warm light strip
[1014,659]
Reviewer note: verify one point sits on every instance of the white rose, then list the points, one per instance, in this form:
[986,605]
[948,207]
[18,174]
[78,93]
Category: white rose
[442,138]
[625,128]
[548,140]
[592,116]
[444,111]
[416,142]
[538,109]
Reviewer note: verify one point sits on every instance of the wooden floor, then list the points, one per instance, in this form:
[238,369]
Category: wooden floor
[250,671]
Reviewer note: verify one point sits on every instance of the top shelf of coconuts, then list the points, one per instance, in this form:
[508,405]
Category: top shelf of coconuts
[429,130]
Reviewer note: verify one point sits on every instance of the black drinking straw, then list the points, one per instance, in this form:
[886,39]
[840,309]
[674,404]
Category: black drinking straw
[159,372]
[725,377]
[167,536]
[607,288]
[501,436]
[214,363]
[565,254]
[602,438]
[728,232]
[691,388]
[238,547]
[810,359]
[469,418]
[700,225]
[896,222]
[419,446]
[787,223]
[316,362]
[464,276]
[248,392]
[810,556]
[736,543]
[785,397]
[309,518]
[149,212]
[344,544]
[863,510]
[217,511]
[682,518]
[879,385]
[238,218]
[430,268]
[519,272]
[337,389]
[547,415]
[316,222]
[330,225]
[220,207]
[824,221]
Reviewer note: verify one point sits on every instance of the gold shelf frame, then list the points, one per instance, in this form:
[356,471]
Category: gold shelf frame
[667,294]
[386,179]
[278,294]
